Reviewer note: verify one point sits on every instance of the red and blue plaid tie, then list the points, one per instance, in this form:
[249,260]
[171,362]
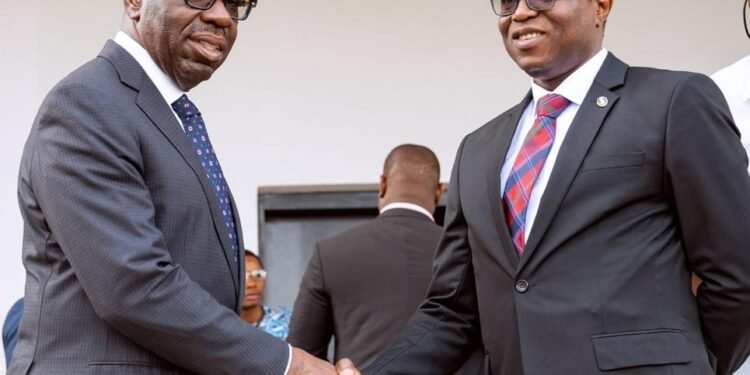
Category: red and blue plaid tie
[528,164]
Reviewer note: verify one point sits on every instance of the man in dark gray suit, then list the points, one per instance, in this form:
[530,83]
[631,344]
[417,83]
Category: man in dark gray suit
[363,285]
[575,218]
[131,237]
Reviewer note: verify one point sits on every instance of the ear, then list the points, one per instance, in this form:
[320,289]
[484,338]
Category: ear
[133,9]
[383,187]
[439,192]
[603,7]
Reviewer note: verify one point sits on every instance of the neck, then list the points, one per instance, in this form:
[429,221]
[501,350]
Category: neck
[550,84]
[253,314]
[429,206]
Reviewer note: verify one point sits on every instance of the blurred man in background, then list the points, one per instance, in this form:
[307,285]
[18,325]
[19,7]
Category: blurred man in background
[734,82]
[363,285]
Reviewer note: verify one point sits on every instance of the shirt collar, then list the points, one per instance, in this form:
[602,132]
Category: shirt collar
[408,206]
[575,86]
[167,88]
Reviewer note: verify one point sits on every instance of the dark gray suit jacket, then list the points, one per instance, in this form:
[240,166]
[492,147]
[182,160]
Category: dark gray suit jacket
[645,189]
[128,267]
[363,285]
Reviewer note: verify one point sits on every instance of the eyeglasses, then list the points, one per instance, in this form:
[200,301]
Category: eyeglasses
[256,274]
[504,8]
[744,17]
[238,9]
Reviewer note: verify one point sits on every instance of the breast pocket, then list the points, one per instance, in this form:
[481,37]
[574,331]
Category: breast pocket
[625,160]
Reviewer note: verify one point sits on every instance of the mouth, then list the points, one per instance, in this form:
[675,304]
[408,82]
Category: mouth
[529,36]
[526,38]
[209,46]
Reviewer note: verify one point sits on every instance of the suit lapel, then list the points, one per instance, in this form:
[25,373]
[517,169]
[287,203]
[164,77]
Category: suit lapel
[150,101]
[583,131]
[498,147]
[241,244]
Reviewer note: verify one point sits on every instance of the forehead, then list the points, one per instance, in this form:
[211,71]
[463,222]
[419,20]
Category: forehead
[250,260]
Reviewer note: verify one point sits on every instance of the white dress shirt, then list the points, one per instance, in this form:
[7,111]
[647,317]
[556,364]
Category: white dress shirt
[166,87]
[734,82]
[408,206]
[574,88]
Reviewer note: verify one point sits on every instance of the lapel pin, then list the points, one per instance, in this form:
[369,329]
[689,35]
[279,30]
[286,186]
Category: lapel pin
[602,101]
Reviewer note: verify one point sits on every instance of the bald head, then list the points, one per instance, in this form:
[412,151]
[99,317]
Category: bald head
[411,174]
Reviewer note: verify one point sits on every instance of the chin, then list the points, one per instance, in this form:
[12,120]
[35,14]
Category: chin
[194,75]
[534,67]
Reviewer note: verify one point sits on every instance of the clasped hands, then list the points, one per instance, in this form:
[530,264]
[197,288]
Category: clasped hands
[304,363]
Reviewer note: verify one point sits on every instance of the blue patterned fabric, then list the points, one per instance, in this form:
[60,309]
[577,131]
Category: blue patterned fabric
[195,129]
[276,321]
[10,330]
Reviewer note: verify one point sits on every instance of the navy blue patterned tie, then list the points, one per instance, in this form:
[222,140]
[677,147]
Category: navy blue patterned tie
[195,129]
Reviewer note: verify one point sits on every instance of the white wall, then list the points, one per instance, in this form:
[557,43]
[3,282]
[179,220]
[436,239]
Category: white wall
[319,91]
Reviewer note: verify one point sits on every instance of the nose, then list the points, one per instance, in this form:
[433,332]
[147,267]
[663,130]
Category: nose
[523,12]
[218,14]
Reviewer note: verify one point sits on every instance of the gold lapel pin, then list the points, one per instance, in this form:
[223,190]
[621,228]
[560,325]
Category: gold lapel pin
[602,101]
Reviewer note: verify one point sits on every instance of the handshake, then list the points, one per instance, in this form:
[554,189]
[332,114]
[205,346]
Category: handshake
[304,363]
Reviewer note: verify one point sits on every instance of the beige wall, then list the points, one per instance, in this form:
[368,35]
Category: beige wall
[319,91]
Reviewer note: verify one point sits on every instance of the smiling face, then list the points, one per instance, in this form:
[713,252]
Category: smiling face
[188,44]
[551,44]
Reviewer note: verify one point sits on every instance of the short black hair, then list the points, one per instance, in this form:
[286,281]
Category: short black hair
[413,163]
[252,254]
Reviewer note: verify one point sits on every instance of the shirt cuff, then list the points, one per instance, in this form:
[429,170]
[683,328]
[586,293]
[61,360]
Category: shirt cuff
[289,361]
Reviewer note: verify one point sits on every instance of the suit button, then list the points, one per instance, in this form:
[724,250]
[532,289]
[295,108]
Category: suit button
[522,286]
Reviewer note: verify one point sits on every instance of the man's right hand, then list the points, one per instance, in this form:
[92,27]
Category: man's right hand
[305,364]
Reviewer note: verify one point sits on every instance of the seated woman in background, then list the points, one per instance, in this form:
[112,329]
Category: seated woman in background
[272,320]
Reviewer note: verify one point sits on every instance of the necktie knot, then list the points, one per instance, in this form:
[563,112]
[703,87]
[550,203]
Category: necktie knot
[184,108]
[551,105]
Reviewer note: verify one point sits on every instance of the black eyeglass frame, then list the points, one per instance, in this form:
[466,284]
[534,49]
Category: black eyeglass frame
[500,13]
[253,3]
[744,16]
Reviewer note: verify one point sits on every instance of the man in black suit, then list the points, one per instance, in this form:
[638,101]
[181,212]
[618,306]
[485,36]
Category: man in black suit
[363,285]
[575,218]
[131,236]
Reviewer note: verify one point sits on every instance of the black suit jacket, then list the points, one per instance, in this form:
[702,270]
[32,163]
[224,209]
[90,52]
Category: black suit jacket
[363,285]
[646,188]
[128,267]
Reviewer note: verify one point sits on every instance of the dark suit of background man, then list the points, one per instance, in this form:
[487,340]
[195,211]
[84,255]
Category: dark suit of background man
[589,272]
[363,285]
[131,235]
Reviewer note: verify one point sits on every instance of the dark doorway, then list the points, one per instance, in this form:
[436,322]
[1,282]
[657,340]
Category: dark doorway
[291,219]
